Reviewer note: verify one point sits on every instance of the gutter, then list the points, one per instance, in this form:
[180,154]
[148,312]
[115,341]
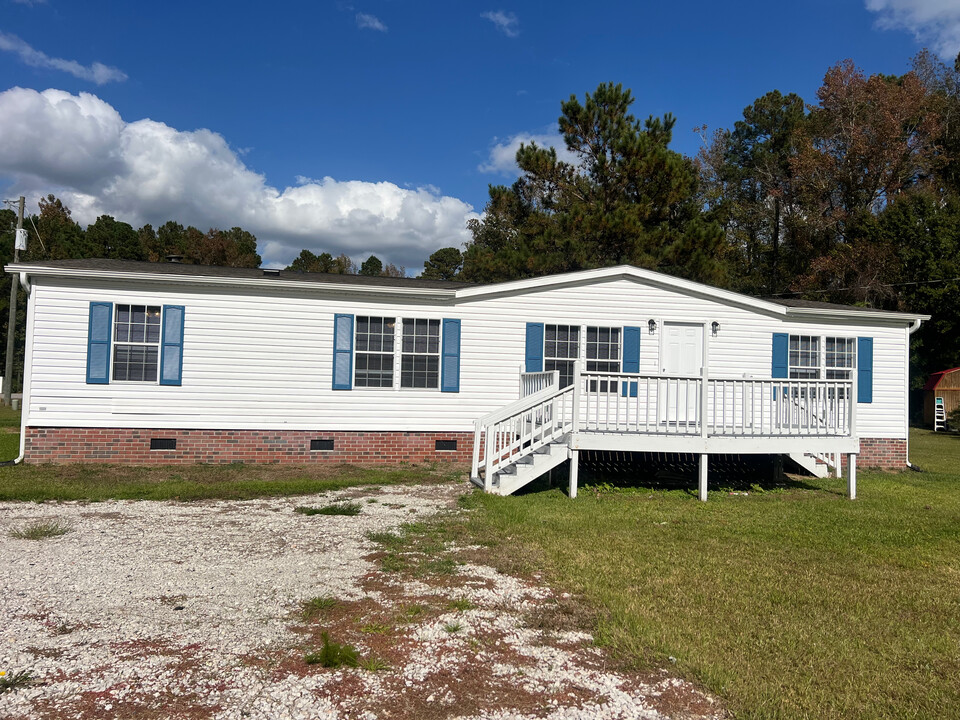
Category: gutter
[911,329]
[266,282]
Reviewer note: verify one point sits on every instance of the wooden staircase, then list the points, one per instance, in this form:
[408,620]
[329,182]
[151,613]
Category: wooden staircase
[526,469]
[819,465]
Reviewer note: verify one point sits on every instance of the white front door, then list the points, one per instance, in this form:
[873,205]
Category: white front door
[681,353]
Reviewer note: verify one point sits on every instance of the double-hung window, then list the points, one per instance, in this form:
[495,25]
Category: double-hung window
[139,343]
[377,364]
[813,357]
[603,354]
[420,356]
[841,357]
[136,343]
[561,348]
[805,357]
[374,361]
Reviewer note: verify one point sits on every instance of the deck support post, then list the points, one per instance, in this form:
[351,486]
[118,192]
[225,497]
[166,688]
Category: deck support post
[574,472]
[852,475]
[777,467]
[704,462]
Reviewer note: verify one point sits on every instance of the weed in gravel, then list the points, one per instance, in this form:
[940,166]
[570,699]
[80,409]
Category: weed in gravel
[375,628]
[389,540]
[437,566]
[11,681]
[333,654]
[391,562]
[412,613]
[371,501]
[335,509]
[373,664]
[314,606]
[453,627]
[41,529]
[460,604]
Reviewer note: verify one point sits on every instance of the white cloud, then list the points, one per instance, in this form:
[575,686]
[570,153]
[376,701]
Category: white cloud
[79,148]
[370,22]
[503,153]
[934,22]
[507,23]
[97,72]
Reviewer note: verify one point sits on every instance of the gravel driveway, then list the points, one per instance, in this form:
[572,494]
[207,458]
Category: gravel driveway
[194,610]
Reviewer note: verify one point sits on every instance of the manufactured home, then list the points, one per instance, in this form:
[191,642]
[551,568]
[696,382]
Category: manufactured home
[130,362]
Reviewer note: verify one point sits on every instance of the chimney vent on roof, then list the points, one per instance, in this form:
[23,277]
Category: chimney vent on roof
[174,258]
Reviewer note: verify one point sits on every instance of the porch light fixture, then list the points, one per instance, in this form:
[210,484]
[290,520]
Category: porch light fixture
[715,327]
[652,325]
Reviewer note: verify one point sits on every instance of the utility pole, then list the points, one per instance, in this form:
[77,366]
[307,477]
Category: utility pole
[12,322]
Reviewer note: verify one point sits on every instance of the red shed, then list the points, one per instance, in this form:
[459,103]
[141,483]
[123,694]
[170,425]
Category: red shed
[945,384]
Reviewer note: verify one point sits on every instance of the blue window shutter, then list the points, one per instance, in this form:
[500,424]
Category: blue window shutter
[631,356]
[865,370]
[534,354]
[450,362]
[343,352]
[98,343]
[171,348]
[781,355]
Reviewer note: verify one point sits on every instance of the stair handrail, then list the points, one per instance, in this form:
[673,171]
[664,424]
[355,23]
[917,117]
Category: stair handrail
[483,426]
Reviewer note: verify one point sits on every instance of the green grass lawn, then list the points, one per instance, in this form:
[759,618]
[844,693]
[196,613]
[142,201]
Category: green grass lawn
[792,602]
[198,482]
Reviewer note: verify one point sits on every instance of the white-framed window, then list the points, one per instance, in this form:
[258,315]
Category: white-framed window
[561,349]
[603,354]
[603,349]
[374,351]
[813,357]
[841,358]
[600,347]
[136,343]
[420,355]
[377,364]
[805,359]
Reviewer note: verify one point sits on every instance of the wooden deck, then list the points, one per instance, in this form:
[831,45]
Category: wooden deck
[631,412]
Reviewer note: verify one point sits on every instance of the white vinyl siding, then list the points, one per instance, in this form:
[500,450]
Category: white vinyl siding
[265,360]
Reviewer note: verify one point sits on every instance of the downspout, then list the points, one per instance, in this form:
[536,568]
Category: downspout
[25,284]
[911,329]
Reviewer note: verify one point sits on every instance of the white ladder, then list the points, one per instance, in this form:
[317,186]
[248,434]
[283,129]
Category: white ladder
[939,415]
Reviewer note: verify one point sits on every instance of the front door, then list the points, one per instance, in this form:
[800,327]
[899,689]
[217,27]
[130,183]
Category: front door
[681,353]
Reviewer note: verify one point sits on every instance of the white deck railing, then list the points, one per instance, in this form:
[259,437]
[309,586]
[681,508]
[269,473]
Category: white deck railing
[674,405]
[659,405]
[532,382]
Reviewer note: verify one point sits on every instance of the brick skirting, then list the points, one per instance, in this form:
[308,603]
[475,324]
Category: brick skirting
[132,447]
[882,453]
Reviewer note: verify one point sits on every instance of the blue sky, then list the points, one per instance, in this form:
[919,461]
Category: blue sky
[376,126]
